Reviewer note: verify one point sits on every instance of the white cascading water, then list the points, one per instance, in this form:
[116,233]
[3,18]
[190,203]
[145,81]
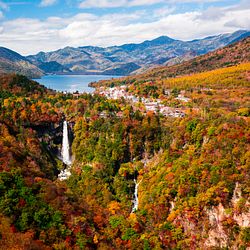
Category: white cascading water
[136,199]
[64,174]
[65,145]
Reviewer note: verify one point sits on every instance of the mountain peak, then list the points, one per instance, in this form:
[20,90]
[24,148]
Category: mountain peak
[148,43]
[163,39]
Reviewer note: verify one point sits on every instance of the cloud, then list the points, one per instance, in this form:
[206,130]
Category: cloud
[29,36]
[116,3]
[45,3]
[164,11]
[212,13]
[131,3]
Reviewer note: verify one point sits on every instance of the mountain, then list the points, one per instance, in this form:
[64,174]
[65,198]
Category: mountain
[12,62]
[130,58]
[53,67]
[230,55]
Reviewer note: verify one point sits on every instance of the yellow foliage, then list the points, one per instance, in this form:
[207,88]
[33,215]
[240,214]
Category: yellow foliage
[95,239]
[173,215]
[6,102]
[132,218]
[219,78]
[113,207]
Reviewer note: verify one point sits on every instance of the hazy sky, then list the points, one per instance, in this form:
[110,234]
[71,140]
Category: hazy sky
[30,26]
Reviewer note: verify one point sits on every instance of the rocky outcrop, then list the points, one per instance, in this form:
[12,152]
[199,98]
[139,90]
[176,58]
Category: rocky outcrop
[237,214]
[241,208]
[216,235]
[219,226]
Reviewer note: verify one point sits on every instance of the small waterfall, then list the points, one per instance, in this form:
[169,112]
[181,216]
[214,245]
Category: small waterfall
[64,174]
[136,199]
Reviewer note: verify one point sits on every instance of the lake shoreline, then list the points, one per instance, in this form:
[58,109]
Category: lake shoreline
[72,83]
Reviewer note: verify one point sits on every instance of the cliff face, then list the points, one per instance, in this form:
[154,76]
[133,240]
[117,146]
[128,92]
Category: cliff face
[237,215]
[51,135]
[219,223]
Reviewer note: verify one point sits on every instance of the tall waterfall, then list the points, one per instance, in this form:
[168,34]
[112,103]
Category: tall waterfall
[64,174]
[136,199]
[65,145]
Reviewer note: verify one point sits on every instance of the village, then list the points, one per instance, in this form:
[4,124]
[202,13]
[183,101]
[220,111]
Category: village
[154,105]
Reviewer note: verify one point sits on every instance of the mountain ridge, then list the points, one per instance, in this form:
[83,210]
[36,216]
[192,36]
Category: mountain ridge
[118,59]
[230,55]
[12,62]
[126,59]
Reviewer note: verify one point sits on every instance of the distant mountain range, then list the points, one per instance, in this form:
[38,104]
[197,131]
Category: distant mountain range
[230,55]
[116,60]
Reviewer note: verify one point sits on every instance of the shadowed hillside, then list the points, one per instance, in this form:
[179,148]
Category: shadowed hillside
[12,62]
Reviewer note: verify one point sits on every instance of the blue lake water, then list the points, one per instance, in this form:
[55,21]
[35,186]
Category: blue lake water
[71,83]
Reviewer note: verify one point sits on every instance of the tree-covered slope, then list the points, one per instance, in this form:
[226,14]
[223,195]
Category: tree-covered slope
[192,172]
[20,85]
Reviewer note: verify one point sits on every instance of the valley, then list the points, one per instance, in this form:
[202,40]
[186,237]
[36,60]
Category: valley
[159,160]
[124,125]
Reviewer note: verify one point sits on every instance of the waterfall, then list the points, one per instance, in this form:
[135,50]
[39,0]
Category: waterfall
[64,174]
[65,145]
[136,199]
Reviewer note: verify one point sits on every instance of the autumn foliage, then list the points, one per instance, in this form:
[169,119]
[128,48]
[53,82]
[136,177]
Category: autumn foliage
[190,168]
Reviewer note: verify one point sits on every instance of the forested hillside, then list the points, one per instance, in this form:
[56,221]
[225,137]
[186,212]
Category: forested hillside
[192,172]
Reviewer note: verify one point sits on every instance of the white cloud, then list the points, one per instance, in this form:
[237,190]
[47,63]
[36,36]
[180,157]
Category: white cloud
[116,3]
[143,2]
[45,3]
[164,11]
[130,3]
[28,36]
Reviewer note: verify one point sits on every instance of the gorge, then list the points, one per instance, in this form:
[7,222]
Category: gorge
[188,176]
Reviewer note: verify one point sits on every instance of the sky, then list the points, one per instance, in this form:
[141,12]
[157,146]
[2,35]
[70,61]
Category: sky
[31,26]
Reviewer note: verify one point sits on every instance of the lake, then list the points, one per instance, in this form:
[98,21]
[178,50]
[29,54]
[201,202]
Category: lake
[72,83]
